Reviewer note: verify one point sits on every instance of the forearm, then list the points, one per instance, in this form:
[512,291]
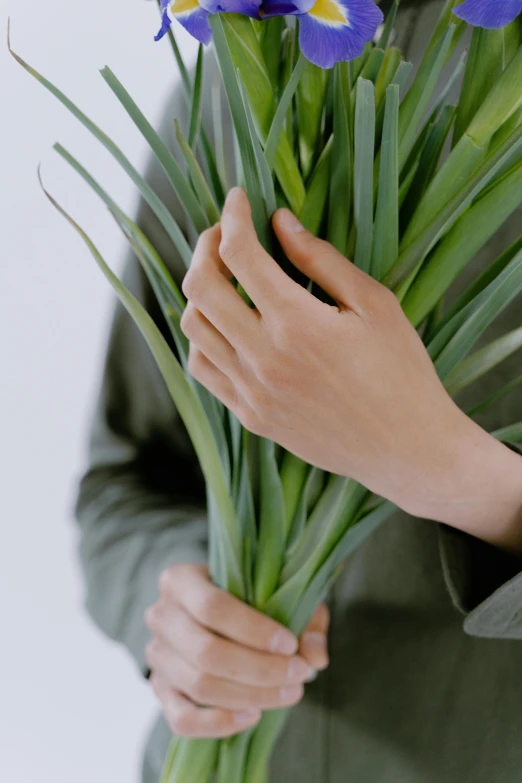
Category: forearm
[475,486]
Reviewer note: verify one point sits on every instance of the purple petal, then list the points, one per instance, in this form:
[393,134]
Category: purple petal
[278,8]
[245,7]
[165,26]
[337,30]
[193,18]
[491,14]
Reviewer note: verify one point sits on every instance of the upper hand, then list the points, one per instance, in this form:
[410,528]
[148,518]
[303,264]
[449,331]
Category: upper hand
[348,387]
[216,663]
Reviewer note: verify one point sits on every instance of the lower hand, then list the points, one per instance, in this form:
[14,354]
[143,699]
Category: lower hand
[216,663]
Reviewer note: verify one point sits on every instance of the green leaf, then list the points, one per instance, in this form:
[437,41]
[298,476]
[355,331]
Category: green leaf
[385,249]
[390,64]
[426,228]
[462,243]
[163,155]
[271,46]
[372,66]
[253,183]
[305,502]
[513,432]
[436,136]
[503,100]
[341,174]
[388,26]
[272,525]
[148,194]
[217,126]
[416,101]
[493,398]
[482,281]
[314,208]
[488,305]
[279,117]
[189,408]
[484,66]
[293,477]
[264,172]
[481,362]
[401,77]
[364,151]
[352,539]
[185,78]
[244,49]
[197,178]
[310,102]
[195,110]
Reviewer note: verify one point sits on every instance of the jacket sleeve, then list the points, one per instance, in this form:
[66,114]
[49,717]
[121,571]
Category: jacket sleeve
[485,584]
[141,502]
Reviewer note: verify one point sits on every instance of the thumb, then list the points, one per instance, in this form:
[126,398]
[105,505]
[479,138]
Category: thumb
[313,645]
[318,259]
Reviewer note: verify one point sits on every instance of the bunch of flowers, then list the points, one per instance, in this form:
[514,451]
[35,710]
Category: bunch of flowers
[358,153]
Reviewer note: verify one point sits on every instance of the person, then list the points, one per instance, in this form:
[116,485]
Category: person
[422,629]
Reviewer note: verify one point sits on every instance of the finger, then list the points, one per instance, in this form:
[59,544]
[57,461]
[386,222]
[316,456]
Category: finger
[217,383]
[211,691]
[207,285]
[225,614]
[320,261]
[261,277]
[313,646]
[204,335]
[188,720]
[214,655]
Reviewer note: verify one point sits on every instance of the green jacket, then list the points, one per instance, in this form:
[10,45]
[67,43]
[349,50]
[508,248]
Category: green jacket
[425,681]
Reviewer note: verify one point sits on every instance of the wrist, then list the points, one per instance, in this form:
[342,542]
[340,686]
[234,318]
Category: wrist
[475,485]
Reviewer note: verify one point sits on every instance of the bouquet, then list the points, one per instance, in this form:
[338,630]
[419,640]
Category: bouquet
[330,121]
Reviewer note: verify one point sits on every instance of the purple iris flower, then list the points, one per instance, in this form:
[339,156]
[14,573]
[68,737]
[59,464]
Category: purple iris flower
[193,15]
[330,31]
[491,14]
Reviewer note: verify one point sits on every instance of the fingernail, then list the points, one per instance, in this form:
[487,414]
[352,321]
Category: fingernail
[289,693]
[312,675]
[298,670]
[316,640]
[247,716]
[233,194]
[290,222]
[283,642]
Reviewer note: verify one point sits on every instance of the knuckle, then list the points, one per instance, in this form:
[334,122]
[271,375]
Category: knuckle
[151,653]
[210,606]
[152,616]
[205,652]
[251,421]
[191,284]
[200,687]
[166,581]
[181,722]
[230,248]
[195,361]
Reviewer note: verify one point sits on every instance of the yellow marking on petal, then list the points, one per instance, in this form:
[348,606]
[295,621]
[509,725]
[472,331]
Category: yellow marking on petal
[328,11]
[184,6]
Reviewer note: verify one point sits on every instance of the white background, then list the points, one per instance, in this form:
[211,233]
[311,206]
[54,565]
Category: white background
[72,706]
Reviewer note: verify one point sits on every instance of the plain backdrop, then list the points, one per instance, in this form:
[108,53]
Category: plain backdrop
[72,705]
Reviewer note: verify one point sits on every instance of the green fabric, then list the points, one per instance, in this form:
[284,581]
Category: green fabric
[425,682]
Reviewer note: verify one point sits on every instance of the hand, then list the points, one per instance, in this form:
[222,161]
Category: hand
[348,387]
[216,663]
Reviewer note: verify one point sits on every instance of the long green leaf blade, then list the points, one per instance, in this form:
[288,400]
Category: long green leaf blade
[385,250]
[364,151]
[481,362]
[187,404]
